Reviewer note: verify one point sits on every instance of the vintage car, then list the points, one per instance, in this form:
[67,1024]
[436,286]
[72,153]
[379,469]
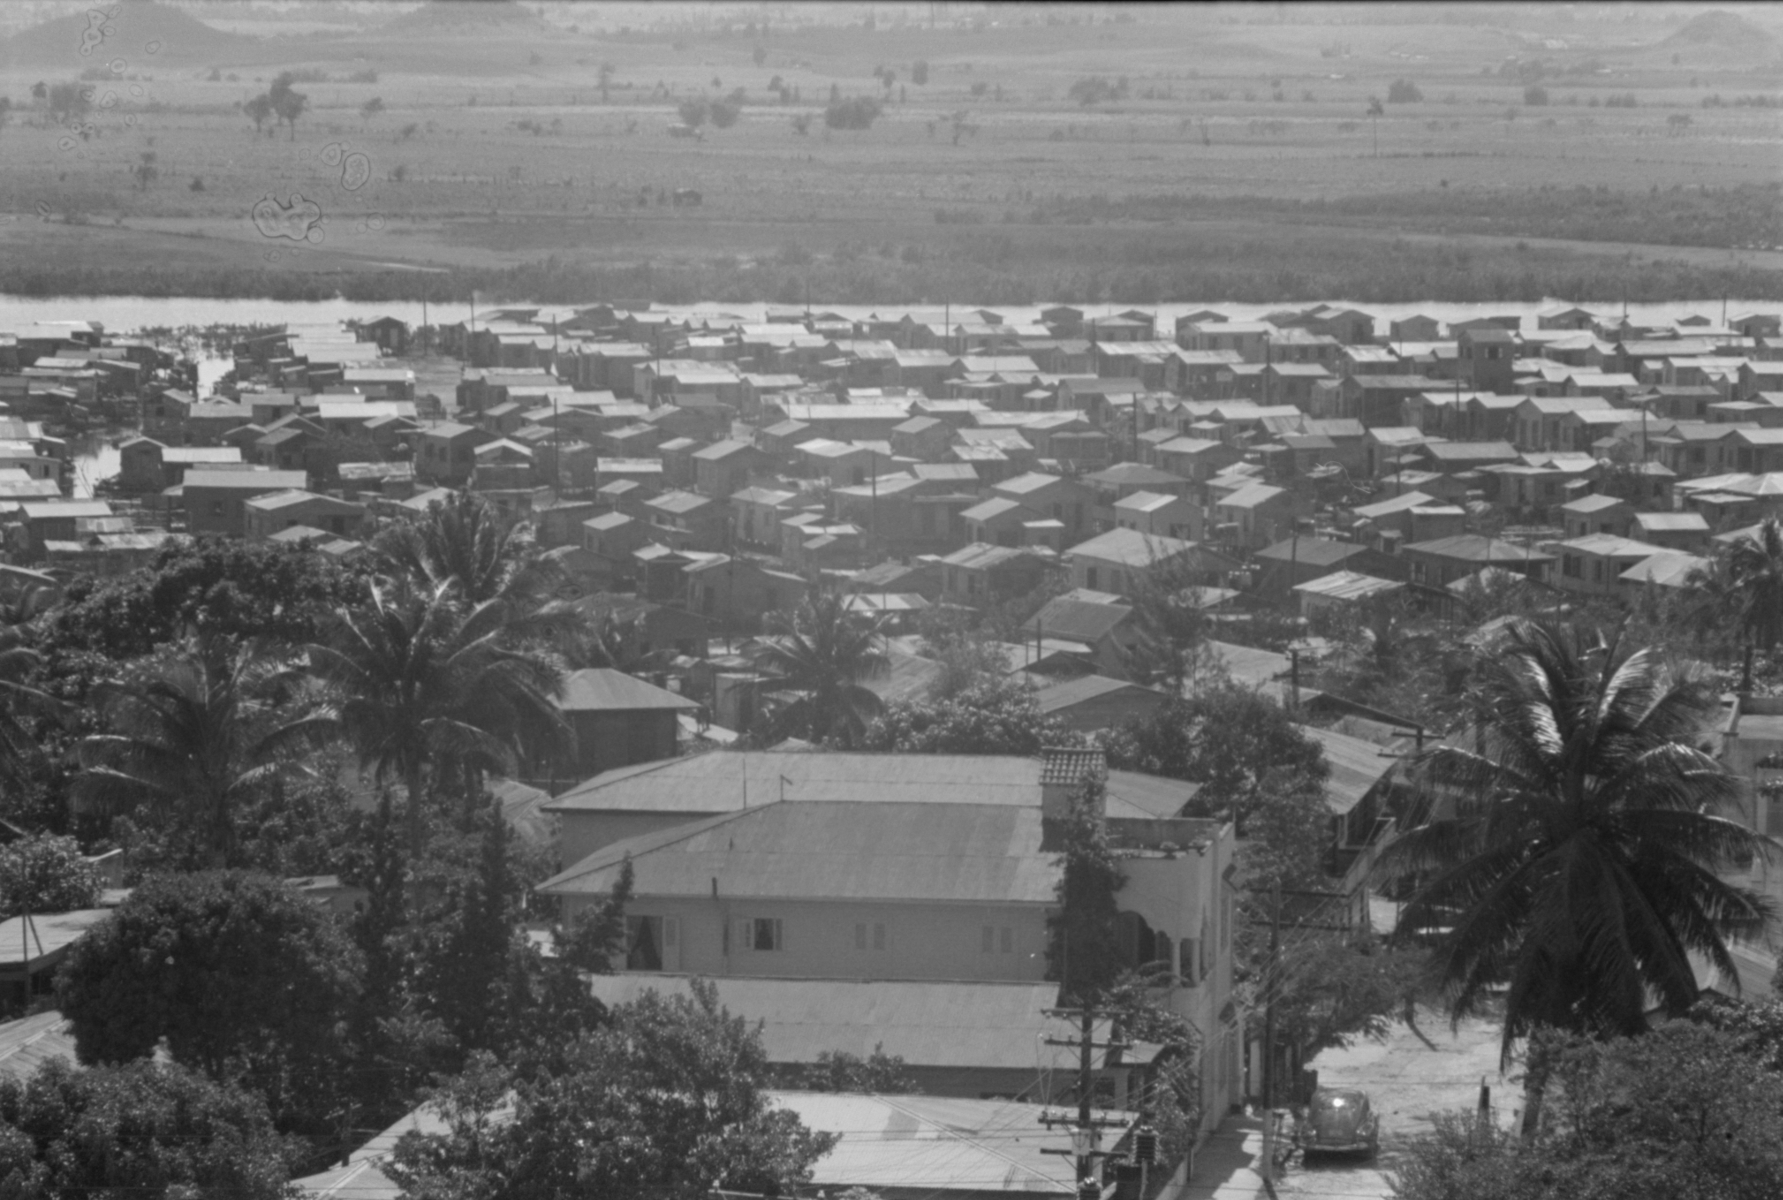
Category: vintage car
[1339,1121]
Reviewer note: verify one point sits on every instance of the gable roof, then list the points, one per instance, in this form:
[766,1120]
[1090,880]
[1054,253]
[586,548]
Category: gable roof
[1077,620]
[1130,547]
[602,689]
[835,850]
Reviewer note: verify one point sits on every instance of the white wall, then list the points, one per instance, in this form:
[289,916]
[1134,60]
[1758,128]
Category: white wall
[921,941]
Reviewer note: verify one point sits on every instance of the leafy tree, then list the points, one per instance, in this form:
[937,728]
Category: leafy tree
[822,652]
[919,72]
[1575,858]
[590,940]
[193,742]
[259,111]
[856,112]
[370,109]
[1173,628]
[465,971]
[20,698]
[1403,91]
[69,100]
[1083,937]
[425,688]
[1682,1112]
[666,1100]
[726,113]
[287,102]
[839,1071]
[997,716]
[1238,744]
[136,1129]
[242,589]
[240,976]
[694,111]
[45,873]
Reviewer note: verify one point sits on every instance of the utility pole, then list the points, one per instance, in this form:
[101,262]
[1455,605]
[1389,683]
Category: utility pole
[1275,947]
[1086,1127]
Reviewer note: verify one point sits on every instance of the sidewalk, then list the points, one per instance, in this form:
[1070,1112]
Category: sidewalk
[1227,1164]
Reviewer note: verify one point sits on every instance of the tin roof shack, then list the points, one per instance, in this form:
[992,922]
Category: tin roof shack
[31,523]
[736,593]
[1160,515]
[725,467]
[268,514]
[1438,562]
[1117,561]
[982,575]
[1592,565]
[1599,514]
[1254,515]
[1685,531]
[1287,564]
[1342,593]
[688,520]
[1093,702]
[216,500]
[448,453]
[617,720]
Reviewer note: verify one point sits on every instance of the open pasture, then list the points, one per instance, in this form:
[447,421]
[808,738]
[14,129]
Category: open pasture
[525,140]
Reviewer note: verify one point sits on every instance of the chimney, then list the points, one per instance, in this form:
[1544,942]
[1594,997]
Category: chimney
[1063,771]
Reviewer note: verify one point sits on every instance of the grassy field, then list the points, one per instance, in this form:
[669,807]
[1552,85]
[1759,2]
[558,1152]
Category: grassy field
[1228,148]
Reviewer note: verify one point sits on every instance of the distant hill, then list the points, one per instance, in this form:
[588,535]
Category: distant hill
[181,38]
[469,16]
[1720,28]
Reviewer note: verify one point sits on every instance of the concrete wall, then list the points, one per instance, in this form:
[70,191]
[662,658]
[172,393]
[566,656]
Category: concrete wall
[819,938]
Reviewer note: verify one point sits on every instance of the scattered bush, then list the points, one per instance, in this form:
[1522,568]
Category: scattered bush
[1403,91]
[919,72]
[1535,95]
[856,112]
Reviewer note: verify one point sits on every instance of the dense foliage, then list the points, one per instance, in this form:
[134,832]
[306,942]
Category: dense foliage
[240,977]
[1238,744]
[141,1128]
[667,1100]
[1682,1113]
[45,873]
[994,716]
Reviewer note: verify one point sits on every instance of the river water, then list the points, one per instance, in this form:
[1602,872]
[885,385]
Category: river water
[97,458]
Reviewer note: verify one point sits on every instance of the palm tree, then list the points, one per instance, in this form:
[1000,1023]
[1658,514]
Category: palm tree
[194,741]
[1575,859]
[425,687]
[463,541]
[1747,580]
[822,652]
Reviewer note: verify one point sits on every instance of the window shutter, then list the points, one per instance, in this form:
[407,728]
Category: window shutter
[745,934]
[671,932]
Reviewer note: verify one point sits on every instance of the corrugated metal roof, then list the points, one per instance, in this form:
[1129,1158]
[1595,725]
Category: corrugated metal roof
[602,689]
[937,1147]
[927,1023]
[833,851]
[1077,620]
[29,1042]
[1348,585]
[1068,692]
[1356,767]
